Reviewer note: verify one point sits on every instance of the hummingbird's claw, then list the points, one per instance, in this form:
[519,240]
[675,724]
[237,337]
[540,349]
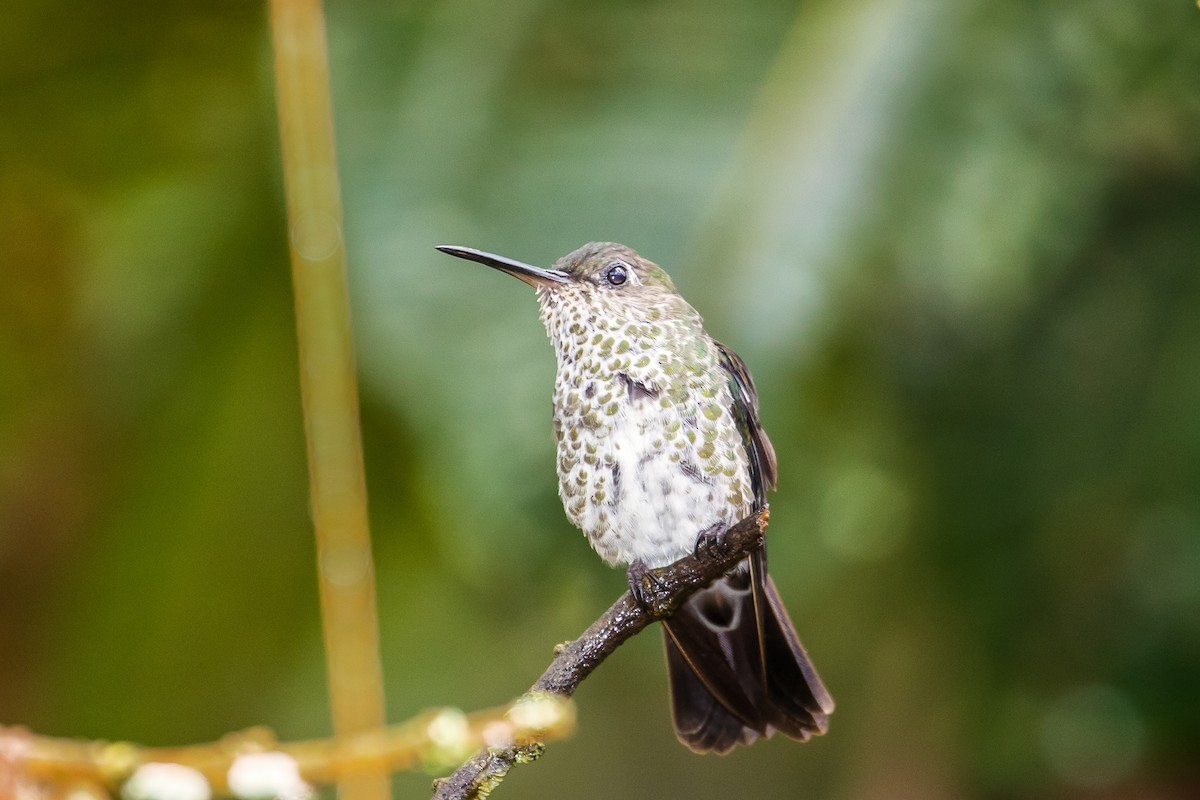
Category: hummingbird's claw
[712,542]
[646,588]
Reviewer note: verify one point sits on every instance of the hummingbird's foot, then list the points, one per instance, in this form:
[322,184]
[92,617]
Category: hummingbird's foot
[646,588]
[712,542]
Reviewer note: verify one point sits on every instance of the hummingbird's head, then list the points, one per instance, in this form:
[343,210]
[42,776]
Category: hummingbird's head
[602,277]
[616,269]
[597,301]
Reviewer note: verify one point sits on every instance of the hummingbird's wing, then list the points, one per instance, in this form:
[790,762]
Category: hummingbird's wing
[764,469]
[736,666]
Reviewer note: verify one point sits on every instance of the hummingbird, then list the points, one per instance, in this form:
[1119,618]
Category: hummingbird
[659,443]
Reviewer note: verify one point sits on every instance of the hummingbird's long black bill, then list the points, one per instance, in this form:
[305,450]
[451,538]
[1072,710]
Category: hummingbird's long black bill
[534,276]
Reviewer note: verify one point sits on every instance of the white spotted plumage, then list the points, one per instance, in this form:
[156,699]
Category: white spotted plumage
[649,453]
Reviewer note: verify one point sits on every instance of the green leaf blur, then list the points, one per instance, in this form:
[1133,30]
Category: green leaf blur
[955,243]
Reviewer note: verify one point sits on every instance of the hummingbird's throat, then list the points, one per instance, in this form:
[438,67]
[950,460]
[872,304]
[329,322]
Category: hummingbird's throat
[585,323]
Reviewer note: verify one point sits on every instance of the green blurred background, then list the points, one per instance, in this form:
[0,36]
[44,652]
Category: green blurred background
[955,242]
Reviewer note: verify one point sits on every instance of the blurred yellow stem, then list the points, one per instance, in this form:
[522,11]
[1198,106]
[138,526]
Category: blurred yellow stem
[434,739]
[330,396]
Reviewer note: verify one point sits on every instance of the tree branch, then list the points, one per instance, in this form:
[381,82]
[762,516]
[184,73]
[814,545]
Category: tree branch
[574,661]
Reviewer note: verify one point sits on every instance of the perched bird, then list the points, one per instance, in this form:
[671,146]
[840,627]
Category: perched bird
[659,441]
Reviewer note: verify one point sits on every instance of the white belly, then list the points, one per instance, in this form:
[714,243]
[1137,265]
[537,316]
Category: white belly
[645,481]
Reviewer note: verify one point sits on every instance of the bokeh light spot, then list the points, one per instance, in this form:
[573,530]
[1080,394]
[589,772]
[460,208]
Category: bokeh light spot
[316,235]
[865,513]
[344,564]
[1092,736]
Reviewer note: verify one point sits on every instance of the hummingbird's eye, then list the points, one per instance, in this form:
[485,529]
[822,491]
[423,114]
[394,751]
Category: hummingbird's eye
[617,274]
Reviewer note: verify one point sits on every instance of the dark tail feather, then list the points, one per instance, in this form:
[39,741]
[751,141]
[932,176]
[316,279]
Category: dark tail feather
[701,722]
[737,669]
[799,699]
